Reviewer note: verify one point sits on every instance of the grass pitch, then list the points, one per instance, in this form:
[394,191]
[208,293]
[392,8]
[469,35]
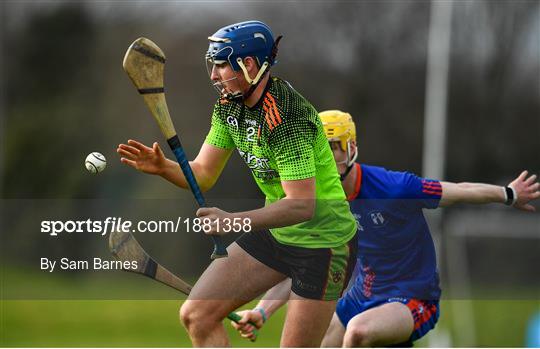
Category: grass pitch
[44,310]
[149,323]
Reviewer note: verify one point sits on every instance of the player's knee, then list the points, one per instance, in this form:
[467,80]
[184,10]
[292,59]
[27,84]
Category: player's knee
[357,335]
[186,314]
[199,317]
[195,317]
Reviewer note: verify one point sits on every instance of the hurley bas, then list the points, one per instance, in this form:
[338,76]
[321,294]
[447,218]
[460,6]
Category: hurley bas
[95,264]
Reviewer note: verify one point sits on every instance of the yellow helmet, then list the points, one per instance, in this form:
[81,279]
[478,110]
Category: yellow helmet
[338,126]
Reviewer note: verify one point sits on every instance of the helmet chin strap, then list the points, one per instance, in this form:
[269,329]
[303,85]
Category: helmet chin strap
[350,161]
[255,80]
[344,175]
[253,83]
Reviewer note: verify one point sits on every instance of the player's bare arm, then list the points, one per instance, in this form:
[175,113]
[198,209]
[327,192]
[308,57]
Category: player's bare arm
[207,166]
[297,206]
[524,189]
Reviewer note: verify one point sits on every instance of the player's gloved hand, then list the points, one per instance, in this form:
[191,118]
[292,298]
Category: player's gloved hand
[143,158]
[527,189]
[251,319]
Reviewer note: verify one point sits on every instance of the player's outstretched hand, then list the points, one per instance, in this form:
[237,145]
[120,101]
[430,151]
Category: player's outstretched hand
[142,158]
[527,190]
[251,319]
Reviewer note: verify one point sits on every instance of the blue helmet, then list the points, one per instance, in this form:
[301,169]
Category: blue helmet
[237,41]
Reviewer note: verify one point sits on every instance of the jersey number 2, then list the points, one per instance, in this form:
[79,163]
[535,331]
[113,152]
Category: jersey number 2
[251,133]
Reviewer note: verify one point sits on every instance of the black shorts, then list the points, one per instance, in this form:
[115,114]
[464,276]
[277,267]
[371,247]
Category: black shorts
[316,273]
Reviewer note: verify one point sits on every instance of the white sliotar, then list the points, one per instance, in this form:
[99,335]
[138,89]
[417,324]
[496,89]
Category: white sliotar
[95,162]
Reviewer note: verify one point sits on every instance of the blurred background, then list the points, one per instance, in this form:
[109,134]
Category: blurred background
[445,89]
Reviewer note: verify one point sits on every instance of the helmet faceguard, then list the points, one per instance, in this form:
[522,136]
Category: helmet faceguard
[220,85]
[339,127]
[233,43]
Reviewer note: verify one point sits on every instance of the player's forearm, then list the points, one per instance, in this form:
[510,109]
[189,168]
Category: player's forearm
[282,213]
[275,297]
[173,173]
[471,193]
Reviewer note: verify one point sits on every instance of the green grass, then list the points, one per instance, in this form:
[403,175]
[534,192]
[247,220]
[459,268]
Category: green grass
[149,323]
[497,323]
[40,309]
[100,323]
[30,318]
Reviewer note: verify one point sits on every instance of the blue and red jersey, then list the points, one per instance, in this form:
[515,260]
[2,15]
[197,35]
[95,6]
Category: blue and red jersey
[395,248]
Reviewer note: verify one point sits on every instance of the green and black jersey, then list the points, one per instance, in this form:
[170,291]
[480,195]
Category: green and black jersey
[281,138]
